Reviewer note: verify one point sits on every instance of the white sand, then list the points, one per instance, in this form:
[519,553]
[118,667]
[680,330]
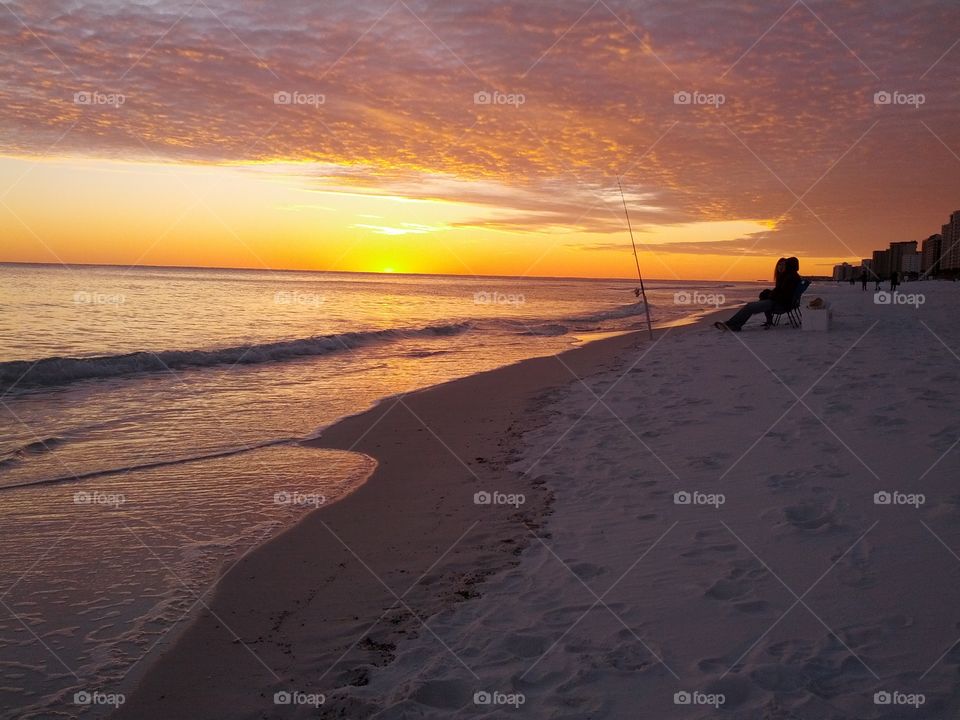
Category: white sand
[799,597]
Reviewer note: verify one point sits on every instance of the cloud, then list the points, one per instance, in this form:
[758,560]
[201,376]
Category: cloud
[404,229]
[798,137]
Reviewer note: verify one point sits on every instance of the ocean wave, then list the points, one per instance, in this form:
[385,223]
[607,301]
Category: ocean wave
[125,469]
[549,330]
[553,327]
[16,455]
[617,313]
[40,446]
[65,370]
[426,353]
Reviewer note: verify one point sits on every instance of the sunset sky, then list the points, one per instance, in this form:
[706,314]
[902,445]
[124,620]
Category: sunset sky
[160,132]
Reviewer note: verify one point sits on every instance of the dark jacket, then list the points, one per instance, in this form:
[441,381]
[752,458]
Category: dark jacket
[783,294]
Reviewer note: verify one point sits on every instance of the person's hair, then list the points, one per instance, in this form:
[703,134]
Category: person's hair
[793,265]
[779,268]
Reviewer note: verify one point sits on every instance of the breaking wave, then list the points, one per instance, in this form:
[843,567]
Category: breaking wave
[65,370]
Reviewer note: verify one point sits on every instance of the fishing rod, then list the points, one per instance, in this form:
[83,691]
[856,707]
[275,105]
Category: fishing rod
[636,259]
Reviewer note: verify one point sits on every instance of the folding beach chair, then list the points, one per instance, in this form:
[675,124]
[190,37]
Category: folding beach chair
[794,315]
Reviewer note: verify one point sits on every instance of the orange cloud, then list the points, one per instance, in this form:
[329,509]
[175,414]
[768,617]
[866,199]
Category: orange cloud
[383,100]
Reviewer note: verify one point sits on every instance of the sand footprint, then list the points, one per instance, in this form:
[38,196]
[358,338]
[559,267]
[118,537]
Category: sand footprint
[752,607]
[855,570]
[816,517]
[586,571]
[727,589]
[710,541]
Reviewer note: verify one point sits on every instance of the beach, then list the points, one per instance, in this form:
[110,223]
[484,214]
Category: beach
[758,524]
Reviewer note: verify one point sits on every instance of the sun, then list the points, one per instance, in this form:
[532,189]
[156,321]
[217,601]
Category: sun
[388,270]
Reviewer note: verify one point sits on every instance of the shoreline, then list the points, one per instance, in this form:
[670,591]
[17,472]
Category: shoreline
[302,603]
[690,516]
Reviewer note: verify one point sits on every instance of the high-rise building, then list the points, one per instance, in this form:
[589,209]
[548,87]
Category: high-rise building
[940,255]
[881,263]
[845,272]
[932,248]
[910,264]
[951,245]
[900,250]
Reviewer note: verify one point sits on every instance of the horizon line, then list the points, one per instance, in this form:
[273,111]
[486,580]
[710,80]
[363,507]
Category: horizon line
[359,272]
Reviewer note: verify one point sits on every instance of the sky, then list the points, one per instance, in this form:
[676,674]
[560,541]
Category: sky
[479,137]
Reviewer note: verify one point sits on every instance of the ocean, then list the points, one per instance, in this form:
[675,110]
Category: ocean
[152,420]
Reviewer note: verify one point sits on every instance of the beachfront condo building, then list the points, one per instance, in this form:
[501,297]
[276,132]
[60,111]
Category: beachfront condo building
[939,255]
[931,250]
[950,261]
[899,251]
[911,264]
[881,262]
[845,272]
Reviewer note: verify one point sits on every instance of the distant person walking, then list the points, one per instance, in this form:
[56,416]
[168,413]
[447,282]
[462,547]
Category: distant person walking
[863,280]
[894,281]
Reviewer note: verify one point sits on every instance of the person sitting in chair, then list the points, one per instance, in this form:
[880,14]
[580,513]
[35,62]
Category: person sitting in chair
[780,299]
[778,270]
